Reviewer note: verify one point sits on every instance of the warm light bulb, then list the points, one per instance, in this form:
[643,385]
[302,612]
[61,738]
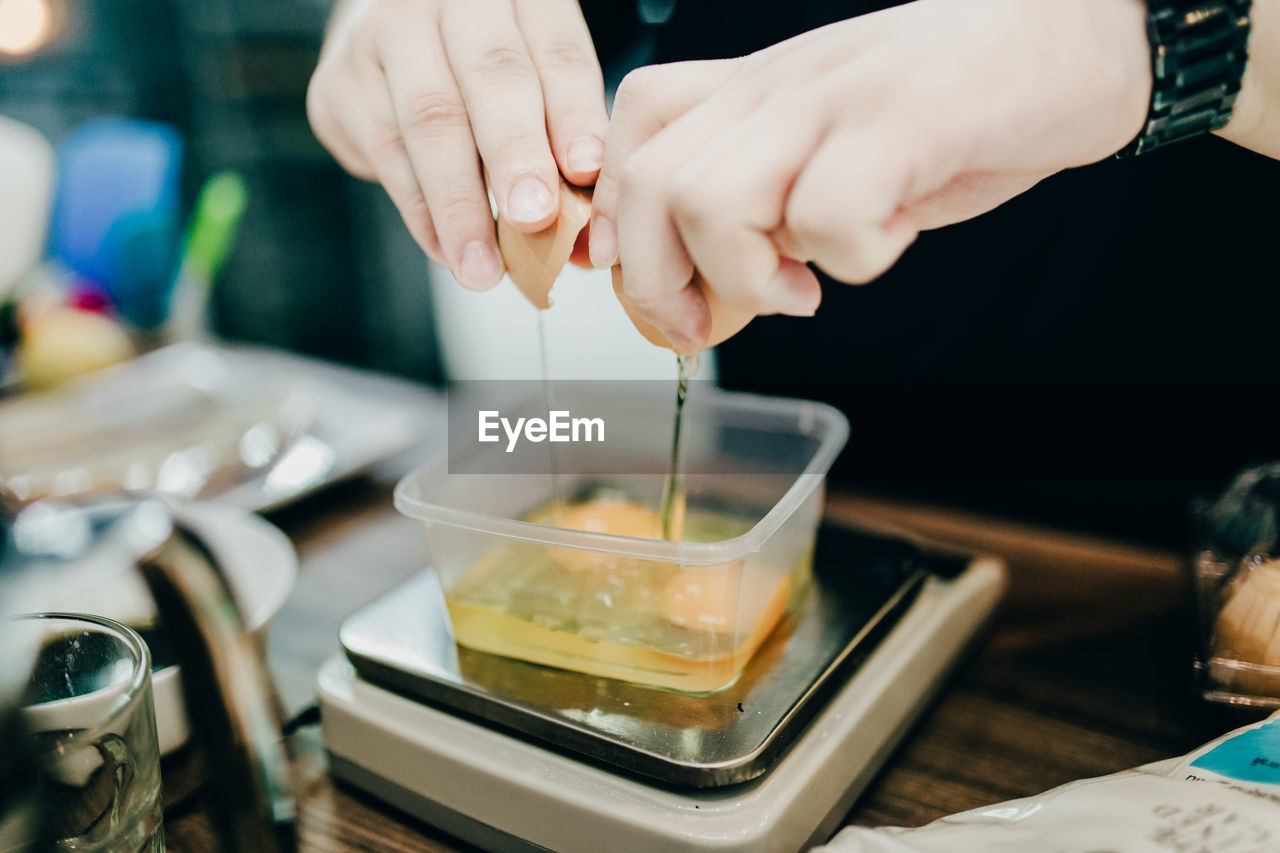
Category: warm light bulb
[24,26]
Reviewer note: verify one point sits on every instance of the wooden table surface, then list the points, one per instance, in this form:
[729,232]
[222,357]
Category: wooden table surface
[1084,671]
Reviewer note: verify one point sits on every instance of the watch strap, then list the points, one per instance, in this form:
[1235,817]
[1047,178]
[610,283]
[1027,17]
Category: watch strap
[1198,55]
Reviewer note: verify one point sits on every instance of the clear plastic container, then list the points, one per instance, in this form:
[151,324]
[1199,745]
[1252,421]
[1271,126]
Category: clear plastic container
[686,615]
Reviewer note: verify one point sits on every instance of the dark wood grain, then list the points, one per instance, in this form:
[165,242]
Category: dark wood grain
[1084,670]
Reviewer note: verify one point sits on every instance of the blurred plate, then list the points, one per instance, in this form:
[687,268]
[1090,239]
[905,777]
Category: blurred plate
[362,418]
[177,420]
[250,426]
[260,565]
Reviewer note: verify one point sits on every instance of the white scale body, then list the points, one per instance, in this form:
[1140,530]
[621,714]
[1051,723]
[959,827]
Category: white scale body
[507,791]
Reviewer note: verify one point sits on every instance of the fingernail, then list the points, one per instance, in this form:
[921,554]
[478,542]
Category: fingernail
[529,201]
[790,302]
[585,154]
[480,267]
[604,244]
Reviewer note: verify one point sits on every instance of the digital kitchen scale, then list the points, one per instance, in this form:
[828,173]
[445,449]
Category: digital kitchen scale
[513,756]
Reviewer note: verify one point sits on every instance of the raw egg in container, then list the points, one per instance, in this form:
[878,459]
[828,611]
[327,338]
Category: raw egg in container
[592,586]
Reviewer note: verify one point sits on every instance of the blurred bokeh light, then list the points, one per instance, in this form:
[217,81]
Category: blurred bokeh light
[25,26]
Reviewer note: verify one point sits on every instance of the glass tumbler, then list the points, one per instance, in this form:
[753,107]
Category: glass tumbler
[89,712]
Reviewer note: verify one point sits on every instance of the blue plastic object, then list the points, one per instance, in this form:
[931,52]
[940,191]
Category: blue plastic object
[140,250]
[117,210]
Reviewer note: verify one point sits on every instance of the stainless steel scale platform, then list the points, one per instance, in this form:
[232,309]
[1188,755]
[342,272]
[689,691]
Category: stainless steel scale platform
[513,756]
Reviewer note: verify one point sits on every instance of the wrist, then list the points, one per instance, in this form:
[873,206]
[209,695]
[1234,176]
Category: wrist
[1098,59]
[1254,123]
[1122,69]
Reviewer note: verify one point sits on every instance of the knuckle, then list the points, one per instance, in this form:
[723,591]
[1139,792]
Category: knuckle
[462,209]
[314,103]
[388,140]
[636,179]
[516,154]
[757,290]
[503,64]
[754,64]
[355,164]
[434,113]
[746,287]
[321,124]
[643,302]
[424,234]
[858,263]
[809,226]
[634,87]
[419,225]
[854,272]
[412,204]
[567,55]
[319,114]
[689,200]
[589,118]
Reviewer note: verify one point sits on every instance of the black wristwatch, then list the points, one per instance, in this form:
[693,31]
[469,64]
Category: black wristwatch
[1198,54]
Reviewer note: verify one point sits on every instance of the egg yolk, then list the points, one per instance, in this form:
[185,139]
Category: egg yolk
[614,515]
[703,598]
[696,598]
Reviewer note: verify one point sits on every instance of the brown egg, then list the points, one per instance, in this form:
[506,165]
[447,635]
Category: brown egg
[726,320]
[534,261]
[615,515]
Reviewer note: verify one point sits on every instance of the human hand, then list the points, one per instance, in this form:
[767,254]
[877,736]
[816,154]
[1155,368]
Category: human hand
[437,99]
[838,146]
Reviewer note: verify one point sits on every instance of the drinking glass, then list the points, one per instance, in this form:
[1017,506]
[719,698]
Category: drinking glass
[89,713]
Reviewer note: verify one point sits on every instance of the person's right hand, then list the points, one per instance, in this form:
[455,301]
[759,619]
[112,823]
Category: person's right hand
[437,99]
[723,179]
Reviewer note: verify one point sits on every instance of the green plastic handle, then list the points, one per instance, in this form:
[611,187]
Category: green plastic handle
[214,223]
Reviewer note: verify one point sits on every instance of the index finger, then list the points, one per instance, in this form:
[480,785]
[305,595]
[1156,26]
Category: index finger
[572,85]
[500,85]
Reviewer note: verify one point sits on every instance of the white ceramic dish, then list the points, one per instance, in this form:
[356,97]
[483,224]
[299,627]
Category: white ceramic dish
[260,565]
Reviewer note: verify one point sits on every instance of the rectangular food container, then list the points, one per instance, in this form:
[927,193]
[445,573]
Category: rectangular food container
[685,615]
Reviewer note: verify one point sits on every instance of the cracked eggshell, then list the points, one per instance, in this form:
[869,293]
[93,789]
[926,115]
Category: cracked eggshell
[726,320]
[534,261]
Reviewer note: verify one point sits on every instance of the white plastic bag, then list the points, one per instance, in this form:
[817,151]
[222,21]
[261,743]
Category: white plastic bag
[1221,798]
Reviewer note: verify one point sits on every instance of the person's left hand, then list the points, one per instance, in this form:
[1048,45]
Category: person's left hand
[837,147]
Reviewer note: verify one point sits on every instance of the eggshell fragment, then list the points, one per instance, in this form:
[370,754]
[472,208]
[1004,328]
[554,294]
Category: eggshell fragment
[534,261]
[726,320]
